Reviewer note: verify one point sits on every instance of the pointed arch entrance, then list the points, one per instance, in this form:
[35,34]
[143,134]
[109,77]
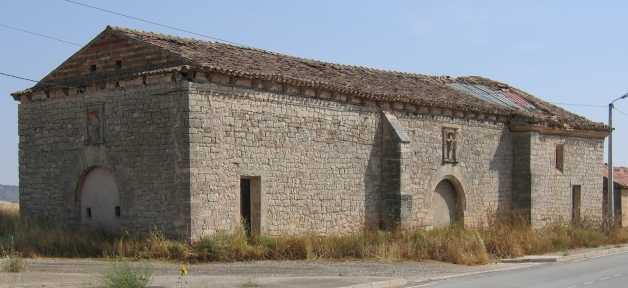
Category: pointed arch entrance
[100,200]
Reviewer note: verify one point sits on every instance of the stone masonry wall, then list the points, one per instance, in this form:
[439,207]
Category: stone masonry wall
[318,161]
[551,189]
[145,145]
[482,174]
[178,150]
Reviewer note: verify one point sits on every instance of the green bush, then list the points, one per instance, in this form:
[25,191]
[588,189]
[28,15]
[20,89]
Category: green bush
[207,249]
[126,275]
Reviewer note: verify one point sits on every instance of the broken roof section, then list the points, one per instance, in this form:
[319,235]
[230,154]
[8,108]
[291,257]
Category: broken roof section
[505,98]
[467,94]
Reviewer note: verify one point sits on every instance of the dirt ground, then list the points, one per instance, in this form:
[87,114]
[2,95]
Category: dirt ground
[47,272]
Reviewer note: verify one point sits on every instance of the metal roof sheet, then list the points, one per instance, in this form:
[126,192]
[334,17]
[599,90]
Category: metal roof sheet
[508,100]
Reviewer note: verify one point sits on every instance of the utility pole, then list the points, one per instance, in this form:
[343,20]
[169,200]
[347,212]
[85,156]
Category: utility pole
[611,183]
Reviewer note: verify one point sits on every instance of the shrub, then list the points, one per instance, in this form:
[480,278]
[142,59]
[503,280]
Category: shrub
[509,236]
[618,235]
[513,237]
[14,264]
[154,245]
[207,249]
[224,246]
[281,248]
[339,246]
[456,245]
[249,284]
[125,275]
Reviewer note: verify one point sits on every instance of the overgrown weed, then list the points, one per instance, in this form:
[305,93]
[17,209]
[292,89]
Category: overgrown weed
[501,237]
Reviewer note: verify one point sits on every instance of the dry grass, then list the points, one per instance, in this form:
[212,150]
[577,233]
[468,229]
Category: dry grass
[13,264]
[508,237]
[35,238]
[454,245]
[513,237]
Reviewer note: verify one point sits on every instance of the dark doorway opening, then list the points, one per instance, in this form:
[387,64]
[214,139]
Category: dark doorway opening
[576,202]
[251,204]
[245,204]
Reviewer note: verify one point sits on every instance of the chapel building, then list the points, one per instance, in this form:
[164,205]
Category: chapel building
[140,131]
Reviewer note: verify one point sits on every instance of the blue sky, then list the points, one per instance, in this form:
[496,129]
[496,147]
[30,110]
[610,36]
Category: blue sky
[562,51]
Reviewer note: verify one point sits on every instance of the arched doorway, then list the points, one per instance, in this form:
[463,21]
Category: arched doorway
[446,205]
[100,200]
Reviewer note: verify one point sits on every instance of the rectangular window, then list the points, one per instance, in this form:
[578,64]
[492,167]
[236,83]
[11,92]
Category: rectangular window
[88,212]
[576,202]
[117,211]
[560,157]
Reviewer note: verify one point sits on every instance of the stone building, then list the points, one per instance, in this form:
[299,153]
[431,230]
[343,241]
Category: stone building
[141,131]
[620,195]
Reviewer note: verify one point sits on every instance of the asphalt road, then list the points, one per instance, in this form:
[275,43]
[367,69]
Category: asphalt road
[608,271]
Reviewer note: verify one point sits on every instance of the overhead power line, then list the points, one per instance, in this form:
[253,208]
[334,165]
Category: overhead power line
[152,22]
[18,77]
[621,112]
[35,81]
[40,35]
[579,104]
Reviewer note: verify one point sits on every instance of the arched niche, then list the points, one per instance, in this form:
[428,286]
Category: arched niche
[448,203]
[100,200]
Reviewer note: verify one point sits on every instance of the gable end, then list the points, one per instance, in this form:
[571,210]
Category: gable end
[110,55]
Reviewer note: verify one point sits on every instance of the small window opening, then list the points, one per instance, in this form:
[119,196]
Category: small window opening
[92,68]
[560,157]
[117,211]
[119,64]
[88,211]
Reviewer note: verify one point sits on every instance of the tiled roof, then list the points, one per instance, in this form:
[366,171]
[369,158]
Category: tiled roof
[474,94]
[371,83]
